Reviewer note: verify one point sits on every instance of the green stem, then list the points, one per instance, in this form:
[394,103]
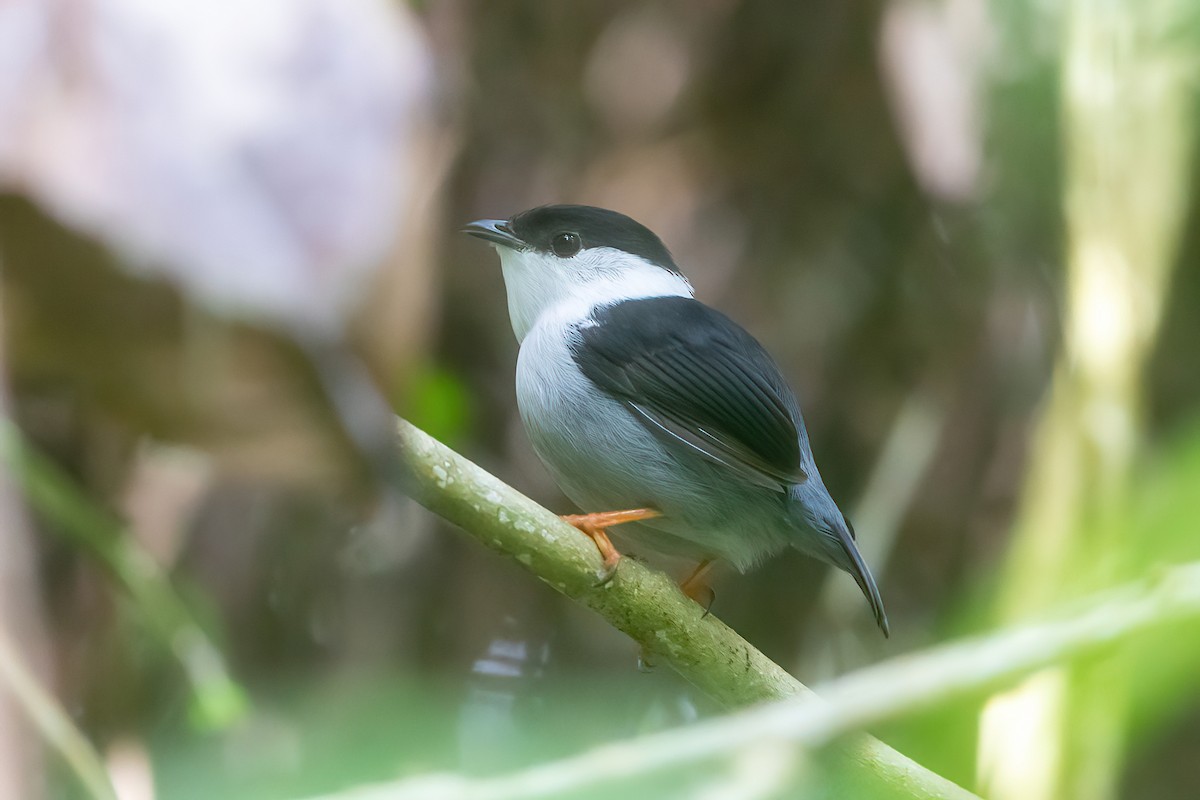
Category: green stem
[218,699]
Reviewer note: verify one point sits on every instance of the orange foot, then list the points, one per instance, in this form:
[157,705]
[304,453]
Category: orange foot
[596,526]
[696,585]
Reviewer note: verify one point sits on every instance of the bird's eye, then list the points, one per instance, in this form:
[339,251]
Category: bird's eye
[565,245]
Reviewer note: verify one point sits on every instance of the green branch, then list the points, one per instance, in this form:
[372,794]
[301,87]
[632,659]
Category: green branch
[643,603]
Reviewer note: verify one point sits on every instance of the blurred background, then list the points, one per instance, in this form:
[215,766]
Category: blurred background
[962,228]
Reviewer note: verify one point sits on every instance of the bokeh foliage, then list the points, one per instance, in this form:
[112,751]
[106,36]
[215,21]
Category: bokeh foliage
[777,148]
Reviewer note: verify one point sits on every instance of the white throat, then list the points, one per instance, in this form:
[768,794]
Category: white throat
[541,285]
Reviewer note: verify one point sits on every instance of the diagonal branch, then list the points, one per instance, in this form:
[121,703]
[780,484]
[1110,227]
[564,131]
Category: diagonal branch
[642,603]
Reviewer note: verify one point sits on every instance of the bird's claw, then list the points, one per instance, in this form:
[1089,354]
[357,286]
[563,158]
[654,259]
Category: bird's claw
[611,557]
[587,523]
[696,586]
[608,570]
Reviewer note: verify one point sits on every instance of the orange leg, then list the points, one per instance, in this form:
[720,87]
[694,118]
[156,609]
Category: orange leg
[596,526]
[696,586]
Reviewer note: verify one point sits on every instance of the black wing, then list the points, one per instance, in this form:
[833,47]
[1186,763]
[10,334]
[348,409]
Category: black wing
[691,374]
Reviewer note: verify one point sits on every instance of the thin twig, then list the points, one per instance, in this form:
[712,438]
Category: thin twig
[53,722]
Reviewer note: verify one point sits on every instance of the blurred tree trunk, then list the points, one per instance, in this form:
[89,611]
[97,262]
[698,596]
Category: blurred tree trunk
[1127,122]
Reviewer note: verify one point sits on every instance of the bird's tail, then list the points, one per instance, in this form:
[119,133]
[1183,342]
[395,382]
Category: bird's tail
[825,532]
[861,573]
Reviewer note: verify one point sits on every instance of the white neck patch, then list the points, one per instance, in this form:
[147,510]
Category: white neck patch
[569,288]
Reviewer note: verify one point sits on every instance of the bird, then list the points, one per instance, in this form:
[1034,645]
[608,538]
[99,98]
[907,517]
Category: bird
[653,411]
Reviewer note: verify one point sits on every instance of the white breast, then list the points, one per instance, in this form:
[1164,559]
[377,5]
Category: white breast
[586,439]
[571,422]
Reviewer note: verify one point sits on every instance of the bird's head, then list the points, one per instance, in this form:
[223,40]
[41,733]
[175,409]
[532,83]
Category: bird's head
[581,254]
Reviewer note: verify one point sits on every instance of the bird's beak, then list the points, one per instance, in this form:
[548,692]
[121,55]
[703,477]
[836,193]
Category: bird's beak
[495,231]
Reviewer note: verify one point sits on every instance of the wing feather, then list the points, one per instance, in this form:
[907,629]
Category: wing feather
[694,377]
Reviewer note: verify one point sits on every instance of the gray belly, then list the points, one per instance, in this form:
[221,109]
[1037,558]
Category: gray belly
[605,460]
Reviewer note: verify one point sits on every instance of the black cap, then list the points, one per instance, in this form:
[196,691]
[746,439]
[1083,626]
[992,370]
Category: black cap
[596,227]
